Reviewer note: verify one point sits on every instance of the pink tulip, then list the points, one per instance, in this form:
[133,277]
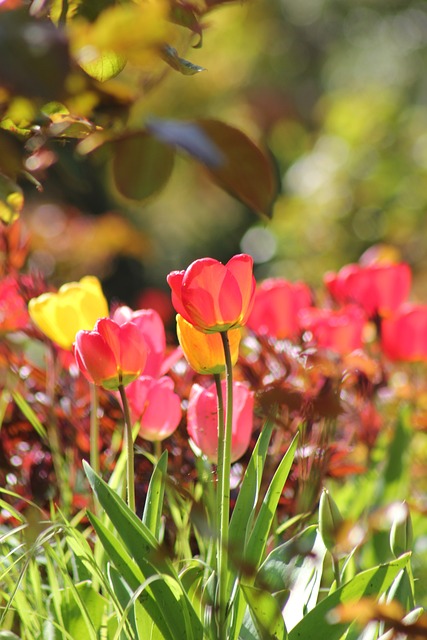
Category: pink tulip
[377,288]
[212,296]
[340,331]
[404,334]
[152,329]
[276,306]
[202,423]
[154,404]
[111,355]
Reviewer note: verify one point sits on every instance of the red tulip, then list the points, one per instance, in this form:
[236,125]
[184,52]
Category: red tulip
[155,405]
[276,306]
[111,355]
[13,309]
[377,288]
[404,334]
[202,423]
[152,329]
[212,296]
[339,330]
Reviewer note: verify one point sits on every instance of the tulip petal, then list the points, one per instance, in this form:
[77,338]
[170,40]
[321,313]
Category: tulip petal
[241,266]
[96,359]
[133,350]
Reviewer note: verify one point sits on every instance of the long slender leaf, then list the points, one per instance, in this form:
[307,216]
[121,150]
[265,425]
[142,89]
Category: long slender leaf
[154,501]
[145,550]
[255,548]
[266,613]
[373,582]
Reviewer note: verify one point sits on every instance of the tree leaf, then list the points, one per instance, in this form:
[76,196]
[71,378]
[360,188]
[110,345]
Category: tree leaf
[247,173]
[142,165]
[171,57]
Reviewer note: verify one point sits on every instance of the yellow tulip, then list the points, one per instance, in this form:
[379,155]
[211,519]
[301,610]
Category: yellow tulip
[76,306]
[204,352]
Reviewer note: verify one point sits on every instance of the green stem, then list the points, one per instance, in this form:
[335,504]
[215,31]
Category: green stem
[94,428]
[130,465]
[336,568]
[224,470]
[157,449]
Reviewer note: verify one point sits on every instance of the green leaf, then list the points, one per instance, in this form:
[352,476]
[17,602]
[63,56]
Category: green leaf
[29,414]
[154,500]
[104,66]
[265,613]
[187,68]
[247,173]
[142,165]
[395,481]
[373,582]
[244,509]
[257,542]
[296,565]
[143,547]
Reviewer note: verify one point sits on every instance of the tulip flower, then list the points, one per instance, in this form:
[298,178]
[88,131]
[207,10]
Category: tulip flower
[202,419]
[76,306]
[111,355]
[152,329]
[212,296]
[13,310]
[204,352]
[404,334]
[340,331]
[378,288]
[155,405]
[276,306]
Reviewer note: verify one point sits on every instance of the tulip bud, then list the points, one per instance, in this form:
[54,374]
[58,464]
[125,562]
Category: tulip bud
[204,352]
[401,531]
[330,520]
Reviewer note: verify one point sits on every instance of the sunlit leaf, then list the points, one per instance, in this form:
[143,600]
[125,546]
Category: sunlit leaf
[11,200]
[247,172]
[265,613]
[103,66]
[142,165]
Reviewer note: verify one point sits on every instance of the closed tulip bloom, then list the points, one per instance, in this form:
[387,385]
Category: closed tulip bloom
[340,331]
[76,306]
[154,404]
[404,334]
[276,306]
[378,288]
[202,421]
[212,296]
[111,355]
[152,329]
[204,352]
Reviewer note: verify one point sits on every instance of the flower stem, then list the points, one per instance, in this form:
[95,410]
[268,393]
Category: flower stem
[94,429]
[224,469]
[130,465]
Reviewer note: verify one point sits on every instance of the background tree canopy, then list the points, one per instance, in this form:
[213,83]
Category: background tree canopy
[143,135]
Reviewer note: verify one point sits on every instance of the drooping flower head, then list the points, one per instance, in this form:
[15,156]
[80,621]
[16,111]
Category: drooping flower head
[155,405]
[76,306]
[202,423]
[204,352]
[212,296]
[111,355]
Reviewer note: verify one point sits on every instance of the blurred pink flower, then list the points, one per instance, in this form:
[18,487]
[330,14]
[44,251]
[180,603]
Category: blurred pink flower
[202,423]
[340,330]
[404,334]
[377,288]
[155,405]
[276,306]
[13,309]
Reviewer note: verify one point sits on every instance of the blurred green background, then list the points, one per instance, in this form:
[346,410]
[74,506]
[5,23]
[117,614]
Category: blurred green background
[336,90]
